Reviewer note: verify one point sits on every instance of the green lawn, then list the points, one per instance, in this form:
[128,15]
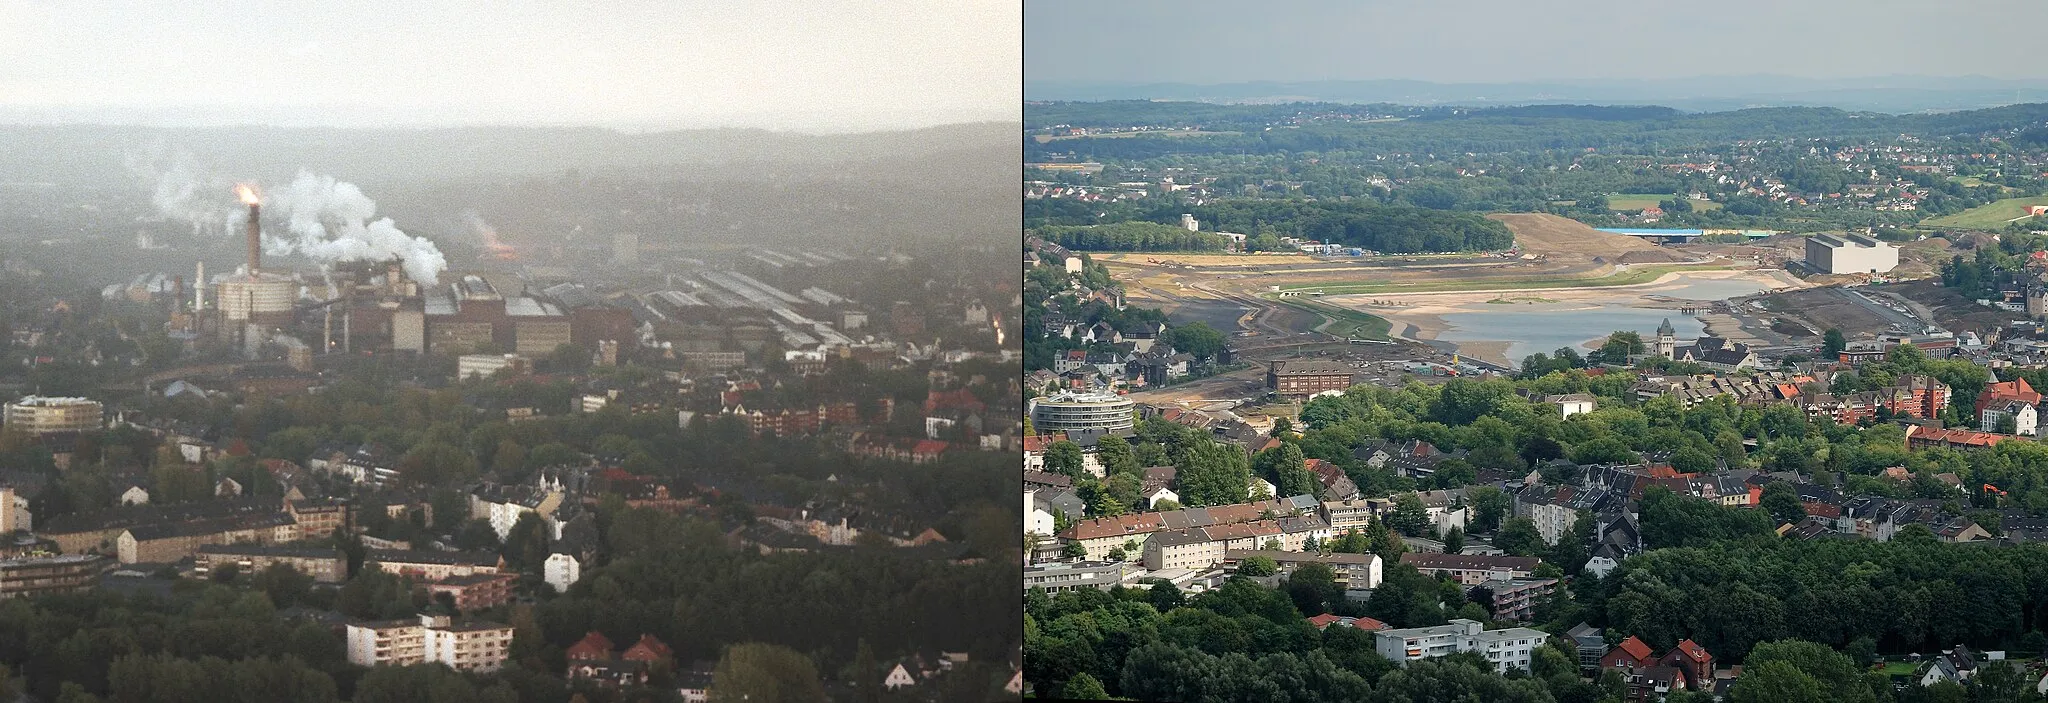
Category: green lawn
[1344,322]
[1892,668]
[1638,201]
[1992,215]
[1635,275]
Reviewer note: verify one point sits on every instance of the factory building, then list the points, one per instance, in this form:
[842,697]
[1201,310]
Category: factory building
[40,415]
[1850,253]
[538,327]
[252,295]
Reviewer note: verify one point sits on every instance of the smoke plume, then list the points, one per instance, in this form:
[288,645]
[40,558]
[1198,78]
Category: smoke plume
[180,192]
[330,221]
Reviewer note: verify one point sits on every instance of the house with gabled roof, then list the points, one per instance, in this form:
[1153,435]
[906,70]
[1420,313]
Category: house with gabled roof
[1692,660]
[1632,653]
[1336,484]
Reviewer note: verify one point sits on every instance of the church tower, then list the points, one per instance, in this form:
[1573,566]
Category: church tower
[1667,340]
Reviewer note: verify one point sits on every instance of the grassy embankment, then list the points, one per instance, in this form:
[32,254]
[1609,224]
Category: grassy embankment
[1991,216]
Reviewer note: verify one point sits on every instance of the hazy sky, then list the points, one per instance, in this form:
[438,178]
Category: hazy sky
[1208,41]
[811,66]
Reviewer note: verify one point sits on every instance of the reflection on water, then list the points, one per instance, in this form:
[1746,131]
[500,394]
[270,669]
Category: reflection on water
[1545,327]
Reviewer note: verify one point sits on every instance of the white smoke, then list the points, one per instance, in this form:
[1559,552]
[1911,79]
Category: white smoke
[180,192]
[329,221]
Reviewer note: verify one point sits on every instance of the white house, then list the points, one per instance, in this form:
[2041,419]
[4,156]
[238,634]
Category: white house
[1257,485]
[561,571]
[135,495]
[1037,520]
[1159,494]
[1572,403]
[2025,419]
[899,677]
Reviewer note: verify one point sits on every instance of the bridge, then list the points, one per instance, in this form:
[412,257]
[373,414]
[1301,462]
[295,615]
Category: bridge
[1662,236]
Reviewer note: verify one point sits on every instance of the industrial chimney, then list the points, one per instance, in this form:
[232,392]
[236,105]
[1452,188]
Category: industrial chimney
[199,288]
[255,238]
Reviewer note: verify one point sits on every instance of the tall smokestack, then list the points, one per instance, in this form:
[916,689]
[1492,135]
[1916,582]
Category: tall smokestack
[255,237]
[199,289]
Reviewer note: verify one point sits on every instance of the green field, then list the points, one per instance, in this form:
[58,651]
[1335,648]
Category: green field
[1638,201]
[1350,324]
[1633,276]
[1987,216]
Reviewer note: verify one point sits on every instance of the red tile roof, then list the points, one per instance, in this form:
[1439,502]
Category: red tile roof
[1038,442]
[648,649]
[1692,650]
[1635,648]
[593,646]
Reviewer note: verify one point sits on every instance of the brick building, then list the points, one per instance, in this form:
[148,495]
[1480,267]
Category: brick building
[1301,379]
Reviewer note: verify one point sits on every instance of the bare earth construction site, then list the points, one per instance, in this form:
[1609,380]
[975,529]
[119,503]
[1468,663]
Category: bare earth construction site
[1560,279]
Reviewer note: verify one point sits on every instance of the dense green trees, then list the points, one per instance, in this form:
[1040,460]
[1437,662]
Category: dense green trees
[765,673]
[1211,473]
[1132,236]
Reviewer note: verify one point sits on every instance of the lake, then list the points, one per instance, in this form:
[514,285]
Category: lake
[1546,327]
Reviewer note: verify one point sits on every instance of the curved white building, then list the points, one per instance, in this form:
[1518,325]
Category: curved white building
[1082,413]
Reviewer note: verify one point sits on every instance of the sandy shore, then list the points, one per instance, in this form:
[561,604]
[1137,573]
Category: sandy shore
[1419,316]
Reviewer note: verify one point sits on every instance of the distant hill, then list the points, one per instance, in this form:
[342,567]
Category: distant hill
[94,155]
[1893,94]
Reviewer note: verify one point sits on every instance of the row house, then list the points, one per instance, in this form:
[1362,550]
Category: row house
[324,565]
[1204,547]
[915,451]
[1922,437]
[1098,536]
[1472,569]
[169,542]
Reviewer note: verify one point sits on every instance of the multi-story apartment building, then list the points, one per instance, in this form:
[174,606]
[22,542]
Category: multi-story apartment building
[1507,649]
[1058,577]
[36,576]
[1101,535]
[1553,509]
[388,642]
[1472,569]
[471,646]
[475,591]
[1354,571]
[432,566]
[1515,599]
[41,415]
[325,565]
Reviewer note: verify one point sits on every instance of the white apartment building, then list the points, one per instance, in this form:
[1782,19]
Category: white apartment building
[561,571]
[392,642]
[473,646]
[1509,648]
[1188,549]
